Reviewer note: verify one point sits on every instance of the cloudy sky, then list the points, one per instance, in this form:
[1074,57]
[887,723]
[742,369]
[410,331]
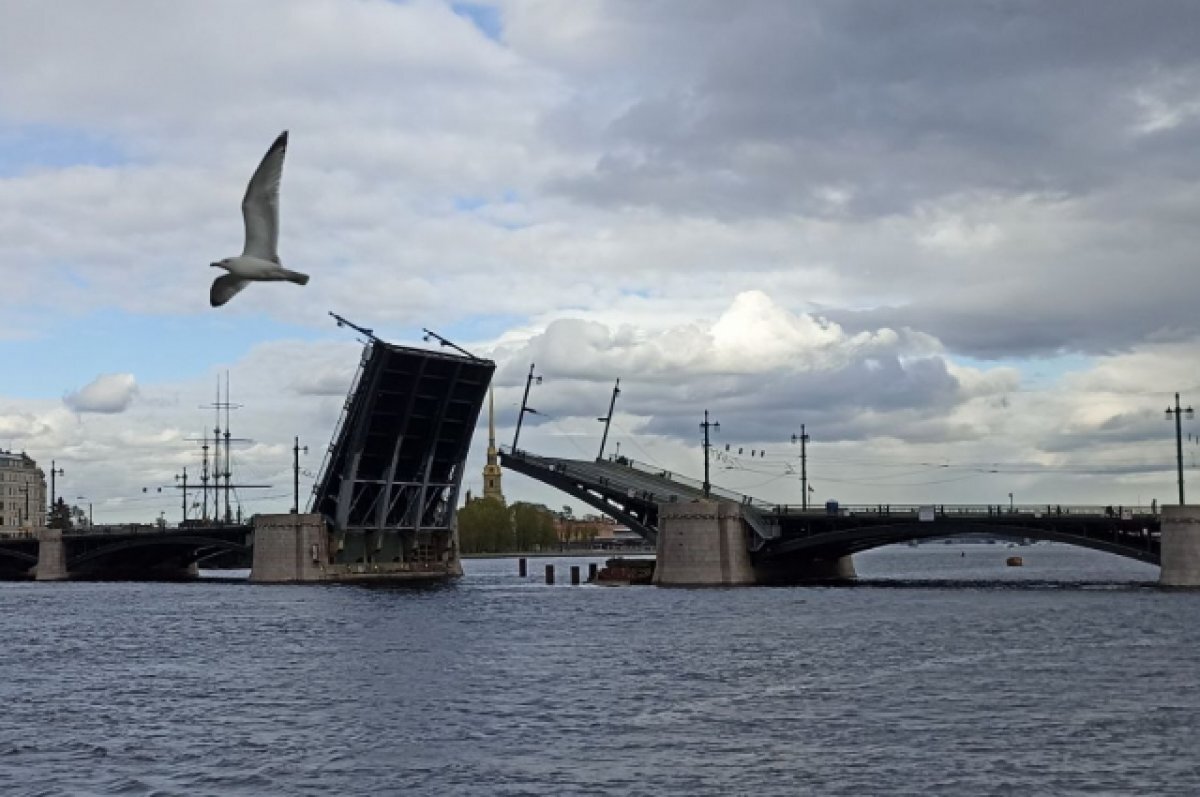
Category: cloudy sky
[958,242]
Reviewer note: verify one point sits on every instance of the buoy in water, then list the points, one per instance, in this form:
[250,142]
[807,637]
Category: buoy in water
[1014,561]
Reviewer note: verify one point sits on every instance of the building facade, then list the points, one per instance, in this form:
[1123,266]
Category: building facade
[22,493]
[491,471]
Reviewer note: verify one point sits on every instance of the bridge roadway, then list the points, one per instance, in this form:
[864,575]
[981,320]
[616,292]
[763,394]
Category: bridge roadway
[631,492]
[135,551]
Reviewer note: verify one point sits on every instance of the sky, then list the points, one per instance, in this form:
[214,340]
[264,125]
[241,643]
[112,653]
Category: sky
[956,242]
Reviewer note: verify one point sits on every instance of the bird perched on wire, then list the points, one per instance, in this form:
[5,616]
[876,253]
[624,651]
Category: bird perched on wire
[259,260]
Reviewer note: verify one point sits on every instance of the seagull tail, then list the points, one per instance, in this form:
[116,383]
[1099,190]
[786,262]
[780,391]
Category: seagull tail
[295,276]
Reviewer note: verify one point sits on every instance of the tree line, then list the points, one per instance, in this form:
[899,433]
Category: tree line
[487,526]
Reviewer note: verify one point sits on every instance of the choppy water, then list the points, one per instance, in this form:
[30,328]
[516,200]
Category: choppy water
[943,674]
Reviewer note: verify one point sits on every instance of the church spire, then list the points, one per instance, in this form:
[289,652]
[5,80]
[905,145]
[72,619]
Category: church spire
[491,471]
[491,421]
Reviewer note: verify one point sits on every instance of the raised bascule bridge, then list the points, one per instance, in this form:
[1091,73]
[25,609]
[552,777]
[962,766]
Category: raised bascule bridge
[383,507]
[724,537]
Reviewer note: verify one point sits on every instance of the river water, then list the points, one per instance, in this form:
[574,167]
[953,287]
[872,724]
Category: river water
[944,672]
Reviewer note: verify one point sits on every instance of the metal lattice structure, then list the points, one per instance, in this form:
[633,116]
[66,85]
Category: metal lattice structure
[395,464]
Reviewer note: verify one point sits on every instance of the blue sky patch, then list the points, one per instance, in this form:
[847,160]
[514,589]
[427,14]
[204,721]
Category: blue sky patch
[27,148]
[486,18]
[152,348]
[1036,372]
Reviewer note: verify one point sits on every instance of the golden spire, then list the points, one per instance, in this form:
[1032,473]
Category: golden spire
[491,421]
[491,471]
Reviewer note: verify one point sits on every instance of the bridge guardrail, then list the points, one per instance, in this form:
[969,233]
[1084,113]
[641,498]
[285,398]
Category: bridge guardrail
[21,534]
[977,510]
[698,486]
[341,421]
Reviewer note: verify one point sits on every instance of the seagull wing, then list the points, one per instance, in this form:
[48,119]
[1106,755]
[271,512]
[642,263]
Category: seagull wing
[260,206]
[225,288]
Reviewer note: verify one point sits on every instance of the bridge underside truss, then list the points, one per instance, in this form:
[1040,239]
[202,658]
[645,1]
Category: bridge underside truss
[395,464]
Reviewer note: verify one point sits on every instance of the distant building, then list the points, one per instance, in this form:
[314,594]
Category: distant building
[22,492]
[491,471]
[594,531]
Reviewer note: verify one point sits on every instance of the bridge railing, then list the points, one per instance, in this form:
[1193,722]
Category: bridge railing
[960,510]
[975,510]
[345,413]
[697,485]
[18,534]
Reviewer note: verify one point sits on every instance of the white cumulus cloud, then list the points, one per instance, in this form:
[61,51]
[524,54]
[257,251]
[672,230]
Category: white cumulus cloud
[107,394]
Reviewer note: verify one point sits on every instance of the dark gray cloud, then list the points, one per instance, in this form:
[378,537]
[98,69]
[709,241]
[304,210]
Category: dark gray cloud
[896,103]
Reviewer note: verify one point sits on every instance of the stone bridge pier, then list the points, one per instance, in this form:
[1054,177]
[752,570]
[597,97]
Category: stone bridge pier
[1180,551]
[706,544]
[52,556]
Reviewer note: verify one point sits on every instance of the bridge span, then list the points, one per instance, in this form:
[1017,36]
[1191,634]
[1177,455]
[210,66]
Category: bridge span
[125,551]
[748,540]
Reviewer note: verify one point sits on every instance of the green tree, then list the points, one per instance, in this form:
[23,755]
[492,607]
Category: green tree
[533,526]
[60,516]
[484,526]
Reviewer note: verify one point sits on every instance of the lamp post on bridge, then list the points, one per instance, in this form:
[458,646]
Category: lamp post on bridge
[24,488]
[607,419]
[802,439]
[53,494]
[529,380]
[296,449]
[1179,413]
[85,498]
[716,427]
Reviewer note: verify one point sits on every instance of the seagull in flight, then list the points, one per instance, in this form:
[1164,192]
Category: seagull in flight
[259,260]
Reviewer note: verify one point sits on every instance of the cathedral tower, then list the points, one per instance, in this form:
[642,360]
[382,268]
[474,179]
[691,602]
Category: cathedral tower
[491,471]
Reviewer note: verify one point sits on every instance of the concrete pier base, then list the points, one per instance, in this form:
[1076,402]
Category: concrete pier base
[702,543]
[52,556]
[807,571]
[1180,553]
[289,549]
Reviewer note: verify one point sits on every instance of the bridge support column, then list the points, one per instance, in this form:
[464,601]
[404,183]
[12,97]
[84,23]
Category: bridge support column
[289,548]
[52,556]
[702,543]
[1180,552]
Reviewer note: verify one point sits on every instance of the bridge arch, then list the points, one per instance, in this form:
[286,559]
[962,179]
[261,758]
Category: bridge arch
[192,548]
[856,540]
[19,556]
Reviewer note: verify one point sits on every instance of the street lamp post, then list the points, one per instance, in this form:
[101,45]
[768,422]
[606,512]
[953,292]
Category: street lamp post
[85,498]
[296,449]
[529,380]
[24,488]
[802,439]
[1179,413]
[53,494]
[183,502]
[607,419]
[715,426]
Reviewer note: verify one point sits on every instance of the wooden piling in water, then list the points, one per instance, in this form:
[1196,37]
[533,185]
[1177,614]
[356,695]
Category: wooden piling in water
[522,570]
